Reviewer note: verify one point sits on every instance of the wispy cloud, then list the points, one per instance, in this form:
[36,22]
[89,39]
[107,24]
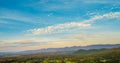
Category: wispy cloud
[25,41]
[19,45]
[95,38]
[54,5]
[15,15]
[111,15]
[59,28]
[25,44]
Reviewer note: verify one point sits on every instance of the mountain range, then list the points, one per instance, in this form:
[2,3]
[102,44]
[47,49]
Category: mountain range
[61,50]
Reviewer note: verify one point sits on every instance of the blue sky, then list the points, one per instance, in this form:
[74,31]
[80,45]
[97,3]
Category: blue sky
[36,24]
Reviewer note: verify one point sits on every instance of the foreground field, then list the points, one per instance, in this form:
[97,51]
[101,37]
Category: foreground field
[80,56]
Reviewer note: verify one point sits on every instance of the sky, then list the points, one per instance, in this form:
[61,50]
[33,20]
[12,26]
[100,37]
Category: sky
[37,24]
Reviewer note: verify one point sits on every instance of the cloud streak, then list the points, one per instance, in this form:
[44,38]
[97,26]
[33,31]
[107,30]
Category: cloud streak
[9,14]
[111,15]
[59,28]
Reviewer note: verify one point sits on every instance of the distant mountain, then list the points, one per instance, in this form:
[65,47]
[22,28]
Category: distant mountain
[91,51]
[70,49]
[99,52]
[61,50]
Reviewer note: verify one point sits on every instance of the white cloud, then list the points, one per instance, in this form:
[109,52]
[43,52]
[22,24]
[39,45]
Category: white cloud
[59,28]
[111,15]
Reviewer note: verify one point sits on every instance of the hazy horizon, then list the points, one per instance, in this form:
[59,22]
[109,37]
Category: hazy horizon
[37,24]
